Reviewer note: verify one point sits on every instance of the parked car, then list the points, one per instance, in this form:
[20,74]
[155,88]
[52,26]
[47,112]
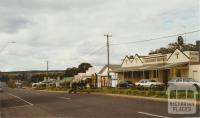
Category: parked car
[1,89]
[125,84]
[148,83]
[184,81]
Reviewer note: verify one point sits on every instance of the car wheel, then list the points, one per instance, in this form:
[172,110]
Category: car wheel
[197,87]
[152,86]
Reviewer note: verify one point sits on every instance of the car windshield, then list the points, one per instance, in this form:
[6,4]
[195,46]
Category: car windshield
[143,80]
[129,82]
[189,80]
[152,80]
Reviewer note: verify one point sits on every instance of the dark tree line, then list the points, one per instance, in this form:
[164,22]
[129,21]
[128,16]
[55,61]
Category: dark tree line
[82,68]
[173,46]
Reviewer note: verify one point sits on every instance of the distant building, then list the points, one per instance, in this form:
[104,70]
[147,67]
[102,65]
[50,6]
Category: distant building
[89,76]
[103,80]
[28,74]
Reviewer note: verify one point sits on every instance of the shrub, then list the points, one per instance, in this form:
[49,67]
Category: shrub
[150,93]
[135,92]
[128,91]
[161,94]
[65,84]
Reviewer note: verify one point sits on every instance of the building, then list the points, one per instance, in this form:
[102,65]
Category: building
[160,67]
[103,80]
[89,76]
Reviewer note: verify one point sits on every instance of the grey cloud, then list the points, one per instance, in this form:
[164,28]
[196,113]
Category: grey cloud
[12,23]
[65,31]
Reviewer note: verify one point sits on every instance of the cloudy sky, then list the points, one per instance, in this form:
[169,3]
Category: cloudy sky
[68,32]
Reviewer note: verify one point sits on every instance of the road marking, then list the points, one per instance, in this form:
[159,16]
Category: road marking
[21,99]
[153,115]
[16,107]
[64,98]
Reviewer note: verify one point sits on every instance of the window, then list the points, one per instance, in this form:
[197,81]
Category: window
[178,73]
[155,73]
[129,74]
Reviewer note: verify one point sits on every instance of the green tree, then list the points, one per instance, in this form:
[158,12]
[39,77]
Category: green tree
[83,67]
[70,72]
[172,47]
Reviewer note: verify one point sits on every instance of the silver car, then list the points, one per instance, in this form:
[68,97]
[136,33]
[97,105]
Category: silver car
[184,81]
[148,83]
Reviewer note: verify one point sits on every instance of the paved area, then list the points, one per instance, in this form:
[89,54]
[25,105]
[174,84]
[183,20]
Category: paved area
[41,104]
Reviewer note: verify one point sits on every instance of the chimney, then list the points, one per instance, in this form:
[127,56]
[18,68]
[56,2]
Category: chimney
[198,48]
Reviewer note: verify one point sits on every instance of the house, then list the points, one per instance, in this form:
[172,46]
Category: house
[89,76]
[160,67]
[103,80]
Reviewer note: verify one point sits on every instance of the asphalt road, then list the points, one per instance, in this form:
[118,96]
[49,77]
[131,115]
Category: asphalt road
[39,104]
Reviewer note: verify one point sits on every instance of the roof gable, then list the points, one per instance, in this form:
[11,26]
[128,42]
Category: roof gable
[111,67]
[137,61]
[178,56]
[126,62]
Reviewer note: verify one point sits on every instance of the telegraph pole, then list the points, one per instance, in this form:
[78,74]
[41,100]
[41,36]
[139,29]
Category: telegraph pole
[47,69]
[198,48]
[108,56]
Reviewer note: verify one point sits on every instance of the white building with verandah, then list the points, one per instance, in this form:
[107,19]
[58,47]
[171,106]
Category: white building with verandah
[160,67]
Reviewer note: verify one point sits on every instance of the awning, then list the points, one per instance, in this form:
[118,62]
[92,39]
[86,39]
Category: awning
[152,67]
[181,64]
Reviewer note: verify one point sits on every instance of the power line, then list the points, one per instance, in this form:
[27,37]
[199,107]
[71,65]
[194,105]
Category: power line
[131,42]
[163,37]
[92,53]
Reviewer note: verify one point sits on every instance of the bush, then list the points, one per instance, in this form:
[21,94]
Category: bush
[128,91]
[52,88]
[65,84]
[161,94]
[158,88]
[150,93]
[142,93]
[135,92]
[41,87]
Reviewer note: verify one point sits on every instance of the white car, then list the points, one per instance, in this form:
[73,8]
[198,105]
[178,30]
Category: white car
[148,83]
[184,81]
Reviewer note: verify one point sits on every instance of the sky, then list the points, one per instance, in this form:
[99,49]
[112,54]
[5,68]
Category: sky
[68,32]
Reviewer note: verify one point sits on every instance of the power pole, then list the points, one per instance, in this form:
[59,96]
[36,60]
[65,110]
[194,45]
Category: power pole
[198,48]
[108,52]
[47,69]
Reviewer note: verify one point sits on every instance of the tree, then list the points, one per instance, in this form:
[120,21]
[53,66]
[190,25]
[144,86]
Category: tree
[83,67]
[70,72]
[173,46]
[37,78]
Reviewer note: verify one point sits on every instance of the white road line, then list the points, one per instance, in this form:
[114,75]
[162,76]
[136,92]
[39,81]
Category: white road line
[21,99]
[64,98]
[16,107]
[152,115]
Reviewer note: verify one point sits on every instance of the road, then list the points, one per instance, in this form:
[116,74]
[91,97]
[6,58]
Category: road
[34,104]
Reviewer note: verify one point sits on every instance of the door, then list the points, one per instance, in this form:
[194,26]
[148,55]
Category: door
[195,74]
[165,76]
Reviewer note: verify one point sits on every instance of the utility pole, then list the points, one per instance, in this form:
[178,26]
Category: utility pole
[47,62]
[108,52]
[198,48]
